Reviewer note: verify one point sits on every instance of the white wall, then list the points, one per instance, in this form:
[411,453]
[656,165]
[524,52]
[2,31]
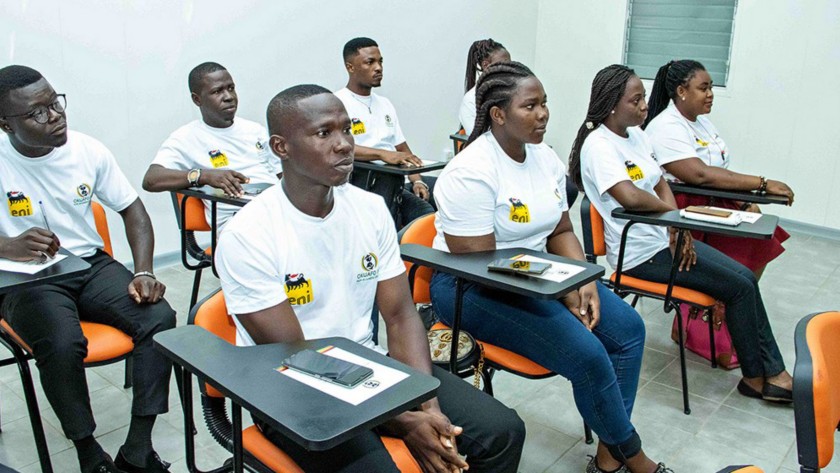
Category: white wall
[124,64]
[777,112]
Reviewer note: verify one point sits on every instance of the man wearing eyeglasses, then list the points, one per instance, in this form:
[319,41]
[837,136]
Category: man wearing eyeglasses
[48,176]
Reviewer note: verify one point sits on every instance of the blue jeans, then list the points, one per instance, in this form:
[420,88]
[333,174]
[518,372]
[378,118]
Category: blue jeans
[603,365]
[733,283]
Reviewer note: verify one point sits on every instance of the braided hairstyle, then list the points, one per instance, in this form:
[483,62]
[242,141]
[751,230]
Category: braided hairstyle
[668,78]
[494,89]
[479,51]
[607,89]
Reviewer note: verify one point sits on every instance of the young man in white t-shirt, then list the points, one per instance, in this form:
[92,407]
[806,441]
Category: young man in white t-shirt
[48,176]
[378,135]
[306,259]
[220,150]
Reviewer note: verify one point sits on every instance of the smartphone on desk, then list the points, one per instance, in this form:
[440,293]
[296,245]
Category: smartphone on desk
[515,266]
[328,368]
[704,210]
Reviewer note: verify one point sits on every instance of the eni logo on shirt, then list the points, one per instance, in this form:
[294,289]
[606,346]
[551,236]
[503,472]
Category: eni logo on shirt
[701,142]
[298,289]
[635,172]
[519,211]
[218,159]
[370,265]
[84,192]
[357,126]
[19,204]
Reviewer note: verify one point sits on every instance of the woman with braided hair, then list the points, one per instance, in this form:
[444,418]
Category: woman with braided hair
[482,54]
[613,161]
[689,147]
[505,190]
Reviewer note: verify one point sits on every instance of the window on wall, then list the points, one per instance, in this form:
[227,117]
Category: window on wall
[661,30]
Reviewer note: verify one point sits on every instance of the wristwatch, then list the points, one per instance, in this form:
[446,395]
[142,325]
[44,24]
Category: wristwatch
[193,176]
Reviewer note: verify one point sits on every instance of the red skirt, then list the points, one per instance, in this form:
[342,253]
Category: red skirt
[752,253]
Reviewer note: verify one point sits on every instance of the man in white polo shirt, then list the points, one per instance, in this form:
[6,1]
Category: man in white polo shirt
[48,176]
[220,150]
[306,258]
[378,135]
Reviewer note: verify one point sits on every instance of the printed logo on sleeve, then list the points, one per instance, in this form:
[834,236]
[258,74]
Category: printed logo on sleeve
[357,126]
[389,121]
[19,204]
[298,289]
[519,211]
[559,196]
[635,172]
[218,159]
[84,192]
[370,268]
[260,145]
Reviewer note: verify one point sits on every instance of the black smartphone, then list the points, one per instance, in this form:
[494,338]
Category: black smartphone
[328,368]
[518,266]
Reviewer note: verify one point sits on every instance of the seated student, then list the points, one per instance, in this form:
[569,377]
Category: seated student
[689,147]
[503,191]
[220,150]
[49,175]
[608,145]
[316,228]
[378,135]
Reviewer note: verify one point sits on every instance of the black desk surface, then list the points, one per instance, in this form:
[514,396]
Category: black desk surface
[394,169]
[65,269]
[762,229]
[743,196]
[473,267]
[217,195]
[458,137]
[311,418]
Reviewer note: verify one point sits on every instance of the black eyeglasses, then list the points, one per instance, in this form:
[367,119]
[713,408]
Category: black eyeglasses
[41,114]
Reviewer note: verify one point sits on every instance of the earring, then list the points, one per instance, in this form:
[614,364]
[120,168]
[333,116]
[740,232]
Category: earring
[683,98]
[613,112]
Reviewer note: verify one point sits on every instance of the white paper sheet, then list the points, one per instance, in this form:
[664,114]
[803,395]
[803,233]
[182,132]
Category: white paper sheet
[29,267]
[382,379]
[558,272]
[748,217]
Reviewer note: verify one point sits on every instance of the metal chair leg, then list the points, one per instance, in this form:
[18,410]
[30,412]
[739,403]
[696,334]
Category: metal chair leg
[129,372]
[683,370]
[34,416]
[587,434]
[196,285]
[711,321]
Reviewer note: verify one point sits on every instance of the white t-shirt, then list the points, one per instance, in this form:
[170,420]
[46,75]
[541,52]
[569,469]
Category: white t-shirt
[241,147]
[328,268]
[607,159]
[65,180]
[467,112]
[374,120]
[674,137]
[482,190]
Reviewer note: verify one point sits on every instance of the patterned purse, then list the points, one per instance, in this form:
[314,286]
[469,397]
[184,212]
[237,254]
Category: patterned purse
[470,353]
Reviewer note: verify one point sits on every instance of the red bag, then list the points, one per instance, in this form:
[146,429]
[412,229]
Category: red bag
[697,334]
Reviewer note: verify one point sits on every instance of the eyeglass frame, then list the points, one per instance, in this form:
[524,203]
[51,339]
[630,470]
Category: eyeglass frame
[51,106]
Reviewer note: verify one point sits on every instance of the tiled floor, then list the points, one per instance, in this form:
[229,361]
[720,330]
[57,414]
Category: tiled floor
[724,428]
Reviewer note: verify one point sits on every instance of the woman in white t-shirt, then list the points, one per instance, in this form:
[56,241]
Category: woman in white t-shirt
[691,150]
[612,160]
[482,54]
[506,190]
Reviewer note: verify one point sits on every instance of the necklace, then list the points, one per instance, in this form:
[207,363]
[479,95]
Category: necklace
[365,103]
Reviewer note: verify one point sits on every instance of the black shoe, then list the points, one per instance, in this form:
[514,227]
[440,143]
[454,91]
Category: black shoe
[107,466]
[746,390]
[153,464]
[774,393]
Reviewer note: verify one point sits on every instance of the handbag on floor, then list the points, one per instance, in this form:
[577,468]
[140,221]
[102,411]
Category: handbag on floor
[697,334]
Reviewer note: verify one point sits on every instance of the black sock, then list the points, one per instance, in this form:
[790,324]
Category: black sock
[90,453]
[138,443]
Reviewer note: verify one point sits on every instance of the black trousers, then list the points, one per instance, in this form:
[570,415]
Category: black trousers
[47,318]
[492,438]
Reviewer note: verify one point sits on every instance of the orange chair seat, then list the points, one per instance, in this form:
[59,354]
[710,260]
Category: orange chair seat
[679,293]
[263,450]
[104,342]
[507,359]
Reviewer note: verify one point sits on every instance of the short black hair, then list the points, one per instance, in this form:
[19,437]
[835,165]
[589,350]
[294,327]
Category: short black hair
[16,77]
[354,45]
[200,71]
[286,102]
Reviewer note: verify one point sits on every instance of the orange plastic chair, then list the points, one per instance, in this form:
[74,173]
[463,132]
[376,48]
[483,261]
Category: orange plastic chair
[594,245]
[741,469]
[459,139]
[189,212]
[211,313]
[106,345]
[816,389]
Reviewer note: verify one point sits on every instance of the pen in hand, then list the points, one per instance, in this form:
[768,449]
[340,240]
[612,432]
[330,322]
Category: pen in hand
[45,257]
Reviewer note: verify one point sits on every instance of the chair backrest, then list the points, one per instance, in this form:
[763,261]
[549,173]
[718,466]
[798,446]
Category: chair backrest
[816,388]
[194,218]
[459,145]
[211,314]
[592,225]
[741,469]
[102,227]
[420,232]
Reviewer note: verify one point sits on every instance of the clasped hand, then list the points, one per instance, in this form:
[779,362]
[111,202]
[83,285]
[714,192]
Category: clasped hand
[585,305]
[688,256]
[430,437]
